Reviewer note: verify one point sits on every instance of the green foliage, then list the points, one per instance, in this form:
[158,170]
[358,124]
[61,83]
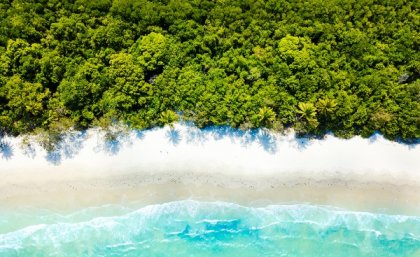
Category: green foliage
[307,115]
[265,117]
[150,50]
[350,67]
[24,104]
[326,106]
[168,117]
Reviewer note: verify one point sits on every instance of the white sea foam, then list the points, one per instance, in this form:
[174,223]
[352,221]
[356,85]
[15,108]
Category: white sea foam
[194,226]
[223,150]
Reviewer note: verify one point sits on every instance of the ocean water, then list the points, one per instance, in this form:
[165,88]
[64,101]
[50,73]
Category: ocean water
[193,228]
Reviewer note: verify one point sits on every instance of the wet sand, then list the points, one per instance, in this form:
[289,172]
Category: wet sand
[70,194]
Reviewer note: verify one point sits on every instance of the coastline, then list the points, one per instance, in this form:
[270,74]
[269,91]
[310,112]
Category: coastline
[165,164]
[69,195]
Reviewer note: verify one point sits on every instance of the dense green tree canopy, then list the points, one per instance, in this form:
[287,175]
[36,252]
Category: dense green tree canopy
[346,66]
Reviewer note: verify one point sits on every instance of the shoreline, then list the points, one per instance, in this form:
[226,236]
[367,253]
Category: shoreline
[163,165]
[70,195]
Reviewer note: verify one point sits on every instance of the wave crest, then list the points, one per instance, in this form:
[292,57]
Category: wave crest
[211,227]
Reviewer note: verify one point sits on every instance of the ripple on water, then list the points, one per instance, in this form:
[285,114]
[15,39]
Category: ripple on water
[192,228]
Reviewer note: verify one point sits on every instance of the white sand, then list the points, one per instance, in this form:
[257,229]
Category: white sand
[216,164]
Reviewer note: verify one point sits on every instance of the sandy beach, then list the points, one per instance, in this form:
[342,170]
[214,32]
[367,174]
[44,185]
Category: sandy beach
[257,169]
[70,194]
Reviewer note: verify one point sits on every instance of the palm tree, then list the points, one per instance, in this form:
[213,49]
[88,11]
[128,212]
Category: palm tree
[168,117]
[307,112]
[326,106]
[266,116]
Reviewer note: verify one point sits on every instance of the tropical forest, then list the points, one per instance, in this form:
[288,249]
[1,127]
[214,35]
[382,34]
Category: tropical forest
[346,67]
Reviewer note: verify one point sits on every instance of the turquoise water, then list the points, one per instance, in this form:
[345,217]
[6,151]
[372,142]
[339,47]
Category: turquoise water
[192,228]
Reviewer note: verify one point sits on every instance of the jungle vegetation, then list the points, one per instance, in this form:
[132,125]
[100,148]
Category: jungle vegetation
[350,67]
